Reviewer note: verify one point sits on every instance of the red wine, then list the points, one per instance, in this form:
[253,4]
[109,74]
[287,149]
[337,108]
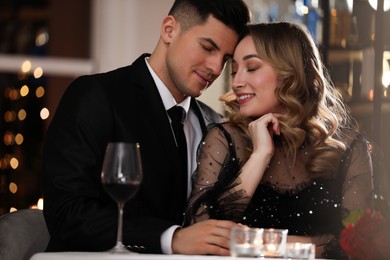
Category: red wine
[121,192]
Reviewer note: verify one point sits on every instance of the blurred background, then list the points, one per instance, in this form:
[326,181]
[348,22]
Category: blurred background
[45,44]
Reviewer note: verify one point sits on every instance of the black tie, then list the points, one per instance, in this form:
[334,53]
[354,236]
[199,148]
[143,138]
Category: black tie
[177,115]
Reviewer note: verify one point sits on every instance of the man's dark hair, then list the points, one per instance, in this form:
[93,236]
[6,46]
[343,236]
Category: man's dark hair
[234,14]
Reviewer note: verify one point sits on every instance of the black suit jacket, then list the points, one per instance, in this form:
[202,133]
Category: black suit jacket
[120,105]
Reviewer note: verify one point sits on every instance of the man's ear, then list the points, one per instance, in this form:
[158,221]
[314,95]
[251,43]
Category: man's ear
[169,28]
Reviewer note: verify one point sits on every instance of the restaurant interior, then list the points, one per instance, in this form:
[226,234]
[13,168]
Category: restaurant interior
[45,44]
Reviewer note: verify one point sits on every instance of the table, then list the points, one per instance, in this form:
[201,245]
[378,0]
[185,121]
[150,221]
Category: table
[108,256]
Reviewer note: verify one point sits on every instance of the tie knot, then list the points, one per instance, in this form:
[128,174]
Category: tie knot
[177,114]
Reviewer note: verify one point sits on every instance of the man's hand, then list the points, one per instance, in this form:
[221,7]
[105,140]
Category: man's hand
[209,237]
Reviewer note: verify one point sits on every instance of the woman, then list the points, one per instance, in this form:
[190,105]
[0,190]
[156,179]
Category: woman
[289,156]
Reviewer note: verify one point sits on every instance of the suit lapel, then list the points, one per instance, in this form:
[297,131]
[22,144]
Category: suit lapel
[203,117]
[154,115]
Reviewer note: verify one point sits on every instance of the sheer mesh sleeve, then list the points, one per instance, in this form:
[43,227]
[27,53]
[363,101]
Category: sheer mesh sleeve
[357,188]
[220,158]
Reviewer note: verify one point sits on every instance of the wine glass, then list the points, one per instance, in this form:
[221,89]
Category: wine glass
[121,177]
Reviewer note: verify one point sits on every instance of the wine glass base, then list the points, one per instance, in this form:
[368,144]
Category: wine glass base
[119,249]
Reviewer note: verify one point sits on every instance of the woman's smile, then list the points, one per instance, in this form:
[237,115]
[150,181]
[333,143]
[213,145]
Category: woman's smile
[243,98]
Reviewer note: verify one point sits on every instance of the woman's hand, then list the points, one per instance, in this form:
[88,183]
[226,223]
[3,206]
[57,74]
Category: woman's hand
[261,132]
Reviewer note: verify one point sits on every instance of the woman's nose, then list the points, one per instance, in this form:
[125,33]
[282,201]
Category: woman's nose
[237,83]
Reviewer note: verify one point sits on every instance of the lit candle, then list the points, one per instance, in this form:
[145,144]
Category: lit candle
[246,250]
[271,250]
[274,242]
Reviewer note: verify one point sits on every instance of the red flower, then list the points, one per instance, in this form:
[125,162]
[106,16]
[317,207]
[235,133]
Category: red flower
[368,238]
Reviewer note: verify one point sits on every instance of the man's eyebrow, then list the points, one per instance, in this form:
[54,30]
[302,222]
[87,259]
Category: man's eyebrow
[228,56]
[211,41]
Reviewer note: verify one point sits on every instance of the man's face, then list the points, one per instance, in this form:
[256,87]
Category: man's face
[196,57]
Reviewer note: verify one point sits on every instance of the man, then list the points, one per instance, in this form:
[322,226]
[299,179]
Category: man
[130,104]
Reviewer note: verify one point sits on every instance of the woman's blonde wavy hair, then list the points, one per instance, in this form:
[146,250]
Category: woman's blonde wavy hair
[315,111]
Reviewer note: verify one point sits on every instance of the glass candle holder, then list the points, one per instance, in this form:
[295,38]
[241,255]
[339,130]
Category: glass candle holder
[274,242]
[245,241]
[300,251]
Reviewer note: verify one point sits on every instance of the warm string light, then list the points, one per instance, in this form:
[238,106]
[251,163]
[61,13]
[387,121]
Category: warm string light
[39,204]
[16,111]
[8,161]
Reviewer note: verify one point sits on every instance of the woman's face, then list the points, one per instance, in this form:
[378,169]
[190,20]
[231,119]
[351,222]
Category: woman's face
[254,81]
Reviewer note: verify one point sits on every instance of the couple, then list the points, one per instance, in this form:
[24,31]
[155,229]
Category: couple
[287,156]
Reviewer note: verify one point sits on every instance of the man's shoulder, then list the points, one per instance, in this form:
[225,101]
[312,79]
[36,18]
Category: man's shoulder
[122,71]
[205,107]
[134,68]
[120,77]
[209,113]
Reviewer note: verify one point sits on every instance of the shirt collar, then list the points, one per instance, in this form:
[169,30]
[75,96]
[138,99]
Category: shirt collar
[166,96]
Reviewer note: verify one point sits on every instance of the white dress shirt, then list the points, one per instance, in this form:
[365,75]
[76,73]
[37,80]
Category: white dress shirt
[193,132]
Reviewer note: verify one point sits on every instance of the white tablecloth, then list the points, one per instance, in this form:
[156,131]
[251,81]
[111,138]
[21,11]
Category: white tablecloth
[108,256]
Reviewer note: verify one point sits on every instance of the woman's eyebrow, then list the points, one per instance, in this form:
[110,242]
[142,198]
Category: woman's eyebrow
[247,57]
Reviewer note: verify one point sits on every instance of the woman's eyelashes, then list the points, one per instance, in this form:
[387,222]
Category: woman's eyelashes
[251,69]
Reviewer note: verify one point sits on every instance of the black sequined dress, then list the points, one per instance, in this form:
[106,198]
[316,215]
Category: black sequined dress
[287,197]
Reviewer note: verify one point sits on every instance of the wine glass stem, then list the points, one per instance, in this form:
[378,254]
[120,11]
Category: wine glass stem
[120,224]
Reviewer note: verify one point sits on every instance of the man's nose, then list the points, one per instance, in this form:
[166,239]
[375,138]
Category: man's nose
[215,66]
